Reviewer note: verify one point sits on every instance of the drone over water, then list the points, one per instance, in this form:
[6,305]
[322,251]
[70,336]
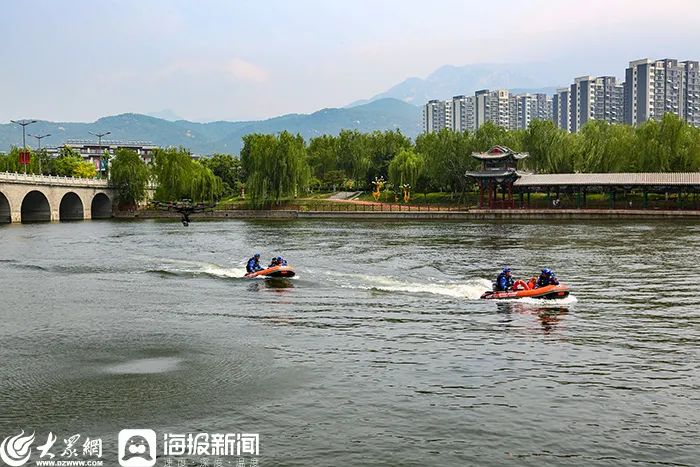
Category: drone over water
[185,207]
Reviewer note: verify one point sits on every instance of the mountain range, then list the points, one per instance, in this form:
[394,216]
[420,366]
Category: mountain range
[450,80]
[223,137]
[395,108]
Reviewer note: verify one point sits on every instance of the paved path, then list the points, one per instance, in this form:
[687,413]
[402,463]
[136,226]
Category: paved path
[345,195]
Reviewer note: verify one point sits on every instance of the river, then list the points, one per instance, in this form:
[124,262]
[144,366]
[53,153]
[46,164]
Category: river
[378,353]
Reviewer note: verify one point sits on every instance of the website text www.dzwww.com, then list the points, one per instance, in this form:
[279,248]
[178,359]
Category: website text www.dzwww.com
[67,463]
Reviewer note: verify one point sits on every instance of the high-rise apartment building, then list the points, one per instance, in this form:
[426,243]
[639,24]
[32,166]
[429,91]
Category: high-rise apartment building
[582,97]
[463,112]
[592,98]
[639,91]
[655,88]
[691,88]
[561,108]
[500,107]
[668,88]
[437,115]
[524,108]
[608,100]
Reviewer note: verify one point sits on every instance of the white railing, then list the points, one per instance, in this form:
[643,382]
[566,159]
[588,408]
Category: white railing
[11,177]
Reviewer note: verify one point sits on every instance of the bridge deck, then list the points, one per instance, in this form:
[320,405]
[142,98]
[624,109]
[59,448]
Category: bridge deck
[52,180]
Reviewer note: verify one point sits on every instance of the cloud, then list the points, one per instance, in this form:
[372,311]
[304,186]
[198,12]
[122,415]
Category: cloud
[242,70]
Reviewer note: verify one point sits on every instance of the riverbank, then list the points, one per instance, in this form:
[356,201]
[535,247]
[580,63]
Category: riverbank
[471,214]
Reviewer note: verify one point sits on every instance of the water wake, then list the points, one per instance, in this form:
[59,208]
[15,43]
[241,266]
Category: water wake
[471,289]
[196,269]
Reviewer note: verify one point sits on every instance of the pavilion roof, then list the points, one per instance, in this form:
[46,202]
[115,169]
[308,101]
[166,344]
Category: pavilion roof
[498,153]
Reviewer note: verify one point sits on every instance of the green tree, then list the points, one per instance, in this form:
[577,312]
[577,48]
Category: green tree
[179,177]
[354,155]
[406,167]
[85,169]
[229,169]
[382,148]
[276,166]
[550,149]
[447,157]
[130,176]
[64,165]
[323,158]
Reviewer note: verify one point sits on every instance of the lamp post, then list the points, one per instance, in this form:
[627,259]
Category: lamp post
[38,139]
[99,143]
[23,124]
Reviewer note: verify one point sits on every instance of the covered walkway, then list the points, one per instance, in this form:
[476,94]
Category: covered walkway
[617,190]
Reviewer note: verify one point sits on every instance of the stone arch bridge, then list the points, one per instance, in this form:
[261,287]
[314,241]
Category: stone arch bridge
[36,198]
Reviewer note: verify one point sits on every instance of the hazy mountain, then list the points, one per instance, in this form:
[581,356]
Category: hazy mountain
[165,114]
[449,80]
[213,137]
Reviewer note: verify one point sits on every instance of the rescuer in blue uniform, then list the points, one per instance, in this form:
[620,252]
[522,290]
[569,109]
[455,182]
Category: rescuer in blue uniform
[547,278]
[253,264]
[504,281]
[278,261]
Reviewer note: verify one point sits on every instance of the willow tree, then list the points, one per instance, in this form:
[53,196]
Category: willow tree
[406,168]
[447,156]
[130,176]
[178,177]
[277,167]
[354,155]
[204,185]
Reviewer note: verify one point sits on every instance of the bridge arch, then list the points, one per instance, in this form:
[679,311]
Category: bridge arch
[71,208]
[35,207]
[101,206]
[5,211]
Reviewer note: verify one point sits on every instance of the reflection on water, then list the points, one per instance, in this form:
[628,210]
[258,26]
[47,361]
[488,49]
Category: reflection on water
[381,341]
[549,316]
[271,284]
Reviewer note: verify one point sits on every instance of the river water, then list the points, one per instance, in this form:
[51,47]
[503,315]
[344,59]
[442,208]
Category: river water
[378,353]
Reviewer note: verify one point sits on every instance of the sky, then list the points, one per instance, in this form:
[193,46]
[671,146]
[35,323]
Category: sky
[205,60]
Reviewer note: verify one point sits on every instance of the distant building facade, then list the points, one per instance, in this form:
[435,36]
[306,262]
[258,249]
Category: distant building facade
[592,98]
[655,88]
[652,88]
[500,107]
[463,113]
[436,116]
[92,151]
[561,109]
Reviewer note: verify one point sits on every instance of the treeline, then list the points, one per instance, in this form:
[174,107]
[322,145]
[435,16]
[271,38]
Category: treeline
[68,163]
[275,167]
[173,173]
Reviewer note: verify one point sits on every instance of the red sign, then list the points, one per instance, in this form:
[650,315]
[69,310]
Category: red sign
[24,157]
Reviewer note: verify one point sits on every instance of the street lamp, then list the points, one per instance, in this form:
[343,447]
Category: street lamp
[23,124]
[99,143]
[39,138]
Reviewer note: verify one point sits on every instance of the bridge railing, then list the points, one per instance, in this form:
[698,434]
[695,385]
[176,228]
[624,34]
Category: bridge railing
[12,177]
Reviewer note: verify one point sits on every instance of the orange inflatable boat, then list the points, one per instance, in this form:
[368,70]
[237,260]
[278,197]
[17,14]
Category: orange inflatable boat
[274,271]
[546,292]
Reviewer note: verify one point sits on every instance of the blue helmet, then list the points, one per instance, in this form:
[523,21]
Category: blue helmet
[279,258]
[506,269]
[547,271]
[256,255]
